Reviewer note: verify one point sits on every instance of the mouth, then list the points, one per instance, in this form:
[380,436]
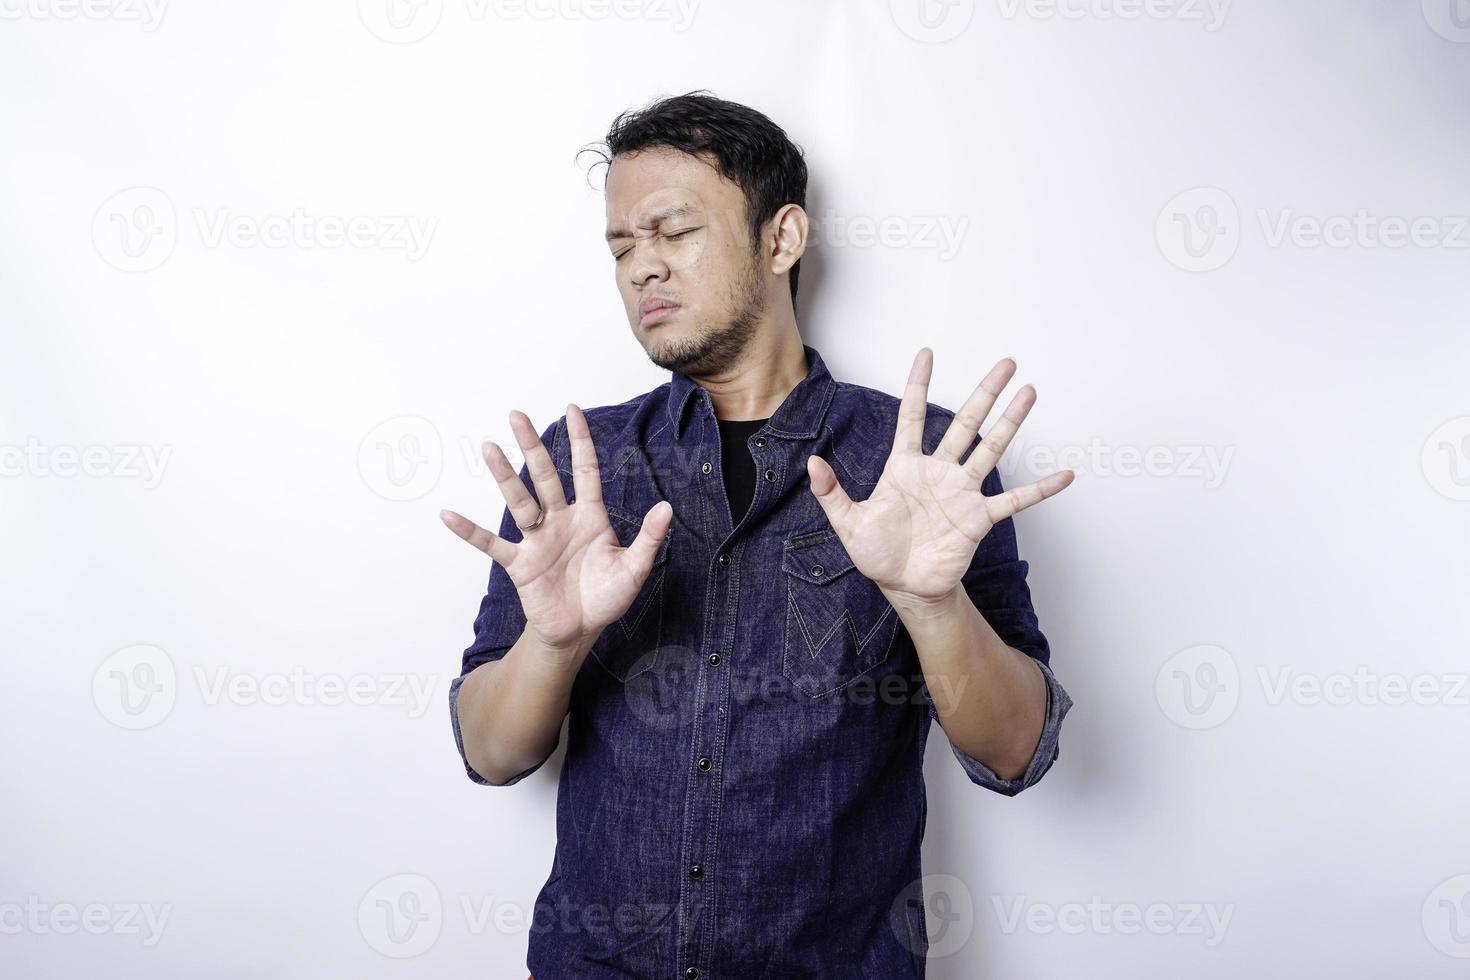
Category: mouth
[657,312]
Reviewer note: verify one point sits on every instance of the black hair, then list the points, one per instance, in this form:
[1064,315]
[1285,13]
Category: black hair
[748,149]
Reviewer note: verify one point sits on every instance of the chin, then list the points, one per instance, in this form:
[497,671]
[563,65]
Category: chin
[667,331]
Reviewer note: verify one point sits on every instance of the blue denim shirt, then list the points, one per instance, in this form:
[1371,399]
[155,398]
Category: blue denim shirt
[742,794]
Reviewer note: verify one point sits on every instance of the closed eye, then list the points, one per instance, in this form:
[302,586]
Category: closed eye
[671,236]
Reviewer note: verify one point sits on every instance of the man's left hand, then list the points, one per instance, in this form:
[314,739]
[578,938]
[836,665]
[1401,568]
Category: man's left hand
[916,534]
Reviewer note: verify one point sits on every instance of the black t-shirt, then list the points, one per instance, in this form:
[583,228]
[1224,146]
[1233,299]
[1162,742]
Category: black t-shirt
[737,464]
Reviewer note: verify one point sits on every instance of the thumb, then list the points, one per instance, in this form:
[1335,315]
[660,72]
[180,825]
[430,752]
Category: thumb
[641,552]
[829,493]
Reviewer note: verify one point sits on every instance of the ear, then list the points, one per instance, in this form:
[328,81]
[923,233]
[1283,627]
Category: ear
[789,237]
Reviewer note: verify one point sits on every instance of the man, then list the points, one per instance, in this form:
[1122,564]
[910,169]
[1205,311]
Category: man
[752,589]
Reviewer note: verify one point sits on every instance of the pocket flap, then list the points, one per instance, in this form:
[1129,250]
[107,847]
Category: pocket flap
[816,557]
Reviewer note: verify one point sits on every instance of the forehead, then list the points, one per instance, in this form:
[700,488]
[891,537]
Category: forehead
[641,185]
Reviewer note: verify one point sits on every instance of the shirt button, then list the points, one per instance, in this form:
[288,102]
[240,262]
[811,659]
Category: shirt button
[760,442]
[770,476]
[704,764]
[714,660]
[705,467]
[817,570]
[692,973]
[724,559]
[696,871]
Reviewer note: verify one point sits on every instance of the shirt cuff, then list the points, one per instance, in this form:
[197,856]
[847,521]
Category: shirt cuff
[459,741]
[1057,705]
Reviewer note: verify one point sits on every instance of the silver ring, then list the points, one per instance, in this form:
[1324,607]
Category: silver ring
[539,518]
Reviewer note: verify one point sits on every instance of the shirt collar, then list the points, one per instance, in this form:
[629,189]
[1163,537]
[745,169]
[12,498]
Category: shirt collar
[800,416]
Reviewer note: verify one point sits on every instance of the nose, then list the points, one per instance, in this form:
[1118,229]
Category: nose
[647,264]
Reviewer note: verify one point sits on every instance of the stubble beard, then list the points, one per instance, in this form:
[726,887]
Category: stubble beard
[712,350]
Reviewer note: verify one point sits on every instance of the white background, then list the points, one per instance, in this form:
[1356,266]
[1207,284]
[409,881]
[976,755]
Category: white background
[1326,545]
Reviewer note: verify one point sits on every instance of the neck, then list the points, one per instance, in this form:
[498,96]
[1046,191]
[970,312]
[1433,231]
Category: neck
[755,386]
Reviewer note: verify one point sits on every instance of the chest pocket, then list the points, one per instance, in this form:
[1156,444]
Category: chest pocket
[630,645]
[838,624]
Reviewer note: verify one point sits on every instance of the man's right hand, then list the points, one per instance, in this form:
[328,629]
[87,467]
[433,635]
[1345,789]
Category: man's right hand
[572,574]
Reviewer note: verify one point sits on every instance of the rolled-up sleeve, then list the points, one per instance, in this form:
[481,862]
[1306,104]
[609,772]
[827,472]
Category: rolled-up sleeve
[996,583]
[1047,750]
[501,619]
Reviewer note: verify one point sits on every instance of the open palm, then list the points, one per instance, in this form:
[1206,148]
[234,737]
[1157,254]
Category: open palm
[570,571]
[917,532]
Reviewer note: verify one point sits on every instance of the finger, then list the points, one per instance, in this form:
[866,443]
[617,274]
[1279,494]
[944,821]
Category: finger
[518,499]
[638,556]
[971,416]
[993,446]
[538,462]
[586,477]
[489,542]
[913,407]
[1003,505]
[828,491]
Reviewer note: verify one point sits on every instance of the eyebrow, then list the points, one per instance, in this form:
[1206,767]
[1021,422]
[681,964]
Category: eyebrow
[677,211]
